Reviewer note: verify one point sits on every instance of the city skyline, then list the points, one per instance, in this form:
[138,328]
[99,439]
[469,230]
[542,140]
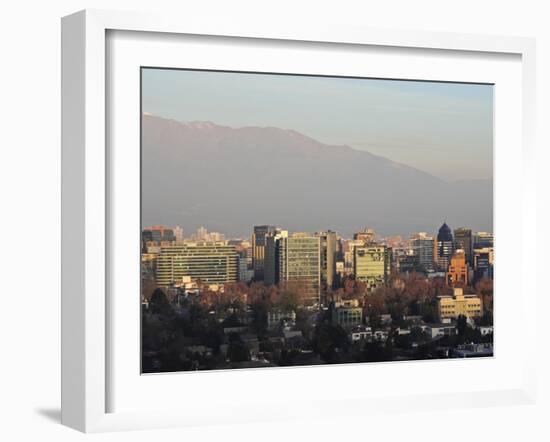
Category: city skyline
[283,298]
[204,230]
[299,220]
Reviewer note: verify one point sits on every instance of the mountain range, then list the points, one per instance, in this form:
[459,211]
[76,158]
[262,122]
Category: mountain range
[230,179]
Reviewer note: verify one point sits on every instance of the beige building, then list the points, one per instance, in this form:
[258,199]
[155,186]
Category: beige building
[450,307]
[371,265]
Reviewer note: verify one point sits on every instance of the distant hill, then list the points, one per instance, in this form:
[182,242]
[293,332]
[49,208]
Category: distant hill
[229,179]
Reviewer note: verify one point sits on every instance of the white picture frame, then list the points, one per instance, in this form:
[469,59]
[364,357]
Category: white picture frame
[86,356]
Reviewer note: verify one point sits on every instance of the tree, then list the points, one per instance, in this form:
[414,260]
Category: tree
[237,351]
[376,351]
[291,295]
[160,304]
[461,325]
[487,318]
[485,286]
[260,310]
[328,340]
[428,311]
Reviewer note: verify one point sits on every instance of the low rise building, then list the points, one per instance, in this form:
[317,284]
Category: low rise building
[440,330]
[381,335]
[473,351]
[360,333]
[347,316]
[276,318]
[485,329]
[459,304]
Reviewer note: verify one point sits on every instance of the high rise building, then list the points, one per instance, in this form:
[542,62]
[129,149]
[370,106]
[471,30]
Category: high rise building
[329,249]
[300,266]
[367,236]
[463,240]
[371,265]
[349,254]
[245,274]
[205,261]
[215,236]
[444,246]
[457,273]
[422,246]
[178,233]
[168,235]
[272,274]
[483,263]
[157,235]
[483,239]
[146,236]
[408,263]
[258,249]
[202,233]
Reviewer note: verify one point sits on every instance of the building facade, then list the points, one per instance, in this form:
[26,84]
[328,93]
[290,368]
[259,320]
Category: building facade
[178,233]
[483,263]
[300,265]
[371,265]
[346,316]
[202,233]
[463,240]
[367,236]
[329,246]
[422,246]
[205,261]
[258,249]
[444,246]
[408,263]
[457,273]
[450,307]
[271,271]
[483,239]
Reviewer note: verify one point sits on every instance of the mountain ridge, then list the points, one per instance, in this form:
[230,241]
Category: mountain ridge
[229,179]
[201,124]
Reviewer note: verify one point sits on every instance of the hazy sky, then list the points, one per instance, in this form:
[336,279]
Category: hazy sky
[445,129]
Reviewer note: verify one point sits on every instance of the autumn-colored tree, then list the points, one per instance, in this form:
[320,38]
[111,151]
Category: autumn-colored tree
[484,288]
[148,286]
[234,293]
[257,291]
[291,295]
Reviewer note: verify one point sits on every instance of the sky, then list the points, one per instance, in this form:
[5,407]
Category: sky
[445,129]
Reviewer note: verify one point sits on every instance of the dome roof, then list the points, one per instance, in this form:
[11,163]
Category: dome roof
[444,233]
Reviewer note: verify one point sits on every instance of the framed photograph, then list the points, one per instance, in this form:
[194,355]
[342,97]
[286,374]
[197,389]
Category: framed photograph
[252,214]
